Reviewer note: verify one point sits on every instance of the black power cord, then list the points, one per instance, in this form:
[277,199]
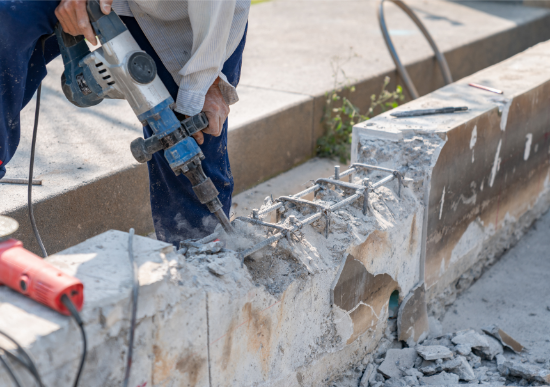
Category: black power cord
[31,165]
[10,371]
[23,358]
[72,309]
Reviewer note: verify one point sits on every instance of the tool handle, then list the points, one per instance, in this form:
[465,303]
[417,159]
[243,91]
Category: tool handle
[143,150]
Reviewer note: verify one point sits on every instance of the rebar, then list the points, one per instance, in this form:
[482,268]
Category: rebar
[294,224]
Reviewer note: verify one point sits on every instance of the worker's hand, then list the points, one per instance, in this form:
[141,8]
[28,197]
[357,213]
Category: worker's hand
[216,111]
[74,18]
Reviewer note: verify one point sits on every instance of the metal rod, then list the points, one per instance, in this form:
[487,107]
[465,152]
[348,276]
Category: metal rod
[226,224]
[373,167]
[210,238]
[260,223]
[339,183]
[336,172]
[20,181]
[302,201]
[383,181]
[298,195]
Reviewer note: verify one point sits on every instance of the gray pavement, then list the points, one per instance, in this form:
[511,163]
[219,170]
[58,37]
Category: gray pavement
[513,294]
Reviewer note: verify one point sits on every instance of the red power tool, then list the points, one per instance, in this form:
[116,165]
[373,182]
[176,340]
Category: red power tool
[34,277]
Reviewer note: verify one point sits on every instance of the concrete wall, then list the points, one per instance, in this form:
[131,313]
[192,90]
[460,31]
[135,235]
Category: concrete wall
[303,310]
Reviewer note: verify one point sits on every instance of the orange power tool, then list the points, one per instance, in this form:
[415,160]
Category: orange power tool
[34,277]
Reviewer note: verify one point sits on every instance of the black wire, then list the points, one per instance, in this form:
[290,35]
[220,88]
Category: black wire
[72,309]
[31,166]
[135,292]
[26,363]
[10,371]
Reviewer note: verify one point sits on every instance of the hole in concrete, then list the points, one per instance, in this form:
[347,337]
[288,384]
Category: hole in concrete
[394,304]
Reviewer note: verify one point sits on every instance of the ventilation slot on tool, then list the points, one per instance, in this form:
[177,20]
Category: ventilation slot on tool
[102,71]
[111,83]
[99,64]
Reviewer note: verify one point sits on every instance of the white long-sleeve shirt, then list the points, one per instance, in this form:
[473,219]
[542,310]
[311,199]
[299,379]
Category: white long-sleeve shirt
[193,38]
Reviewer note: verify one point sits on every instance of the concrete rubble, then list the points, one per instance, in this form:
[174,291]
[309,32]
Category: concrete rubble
[406,367]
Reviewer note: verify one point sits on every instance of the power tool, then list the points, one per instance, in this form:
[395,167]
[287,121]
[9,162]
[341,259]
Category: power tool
[34,277]
[119,69]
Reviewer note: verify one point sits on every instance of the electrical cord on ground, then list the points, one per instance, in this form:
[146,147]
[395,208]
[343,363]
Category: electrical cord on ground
[10,371]
[31,164]
[22,358]
[135,290]
[72,309]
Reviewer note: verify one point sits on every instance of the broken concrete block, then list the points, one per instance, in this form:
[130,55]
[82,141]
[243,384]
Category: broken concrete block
[501,365]
[397,359]
[396,383]
[463,370]
[442,379]
[411,380]
[474,360]
[412,319]
[413,372]
[504,338]
[481,374]
[217,269]
[434,352]
[463,349]
[472,339]
[495,348]
[528,371]
[366,376]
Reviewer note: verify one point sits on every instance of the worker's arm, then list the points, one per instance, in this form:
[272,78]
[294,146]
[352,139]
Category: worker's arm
[73,17]
[203,86]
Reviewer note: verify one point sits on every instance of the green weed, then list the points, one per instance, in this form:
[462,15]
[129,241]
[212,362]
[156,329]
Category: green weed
[341,114]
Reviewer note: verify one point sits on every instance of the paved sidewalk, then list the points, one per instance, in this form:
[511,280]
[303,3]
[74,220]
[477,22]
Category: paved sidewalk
[514,294]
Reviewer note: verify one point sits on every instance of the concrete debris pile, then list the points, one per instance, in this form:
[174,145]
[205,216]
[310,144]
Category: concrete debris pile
[465,357]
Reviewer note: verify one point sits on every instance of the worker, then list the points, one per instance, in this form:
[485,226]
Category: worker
[197,46]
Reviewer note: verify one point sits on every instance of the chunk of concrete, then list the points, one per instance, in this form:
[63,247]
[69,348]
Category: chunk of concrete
[442,379]
[434,352]
[411,380]
[504,338]
[397,359]
[412,320]
[495,348]
[413,372]
[464,370]
[481,374]
[463,349]
[528,371]
[501,365]
[471,339]
[366,376]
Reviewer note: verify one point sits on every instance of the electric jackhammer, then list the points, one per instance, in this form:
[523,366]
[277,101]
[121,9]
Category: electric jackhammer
[119,69]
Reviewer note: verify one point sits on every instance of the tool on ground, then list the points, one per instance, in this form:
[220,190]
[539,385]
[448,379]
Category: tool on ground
[427,112]
[486,88]
[121,70]
[30,275]
[20,181]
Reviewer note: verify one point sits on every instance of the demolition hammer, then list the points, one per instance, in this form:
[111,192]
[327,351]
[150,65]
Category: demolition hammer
[119,69]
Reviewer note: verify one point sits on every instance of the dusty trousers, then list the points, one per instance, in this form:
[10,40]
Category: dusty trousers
[177,213]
